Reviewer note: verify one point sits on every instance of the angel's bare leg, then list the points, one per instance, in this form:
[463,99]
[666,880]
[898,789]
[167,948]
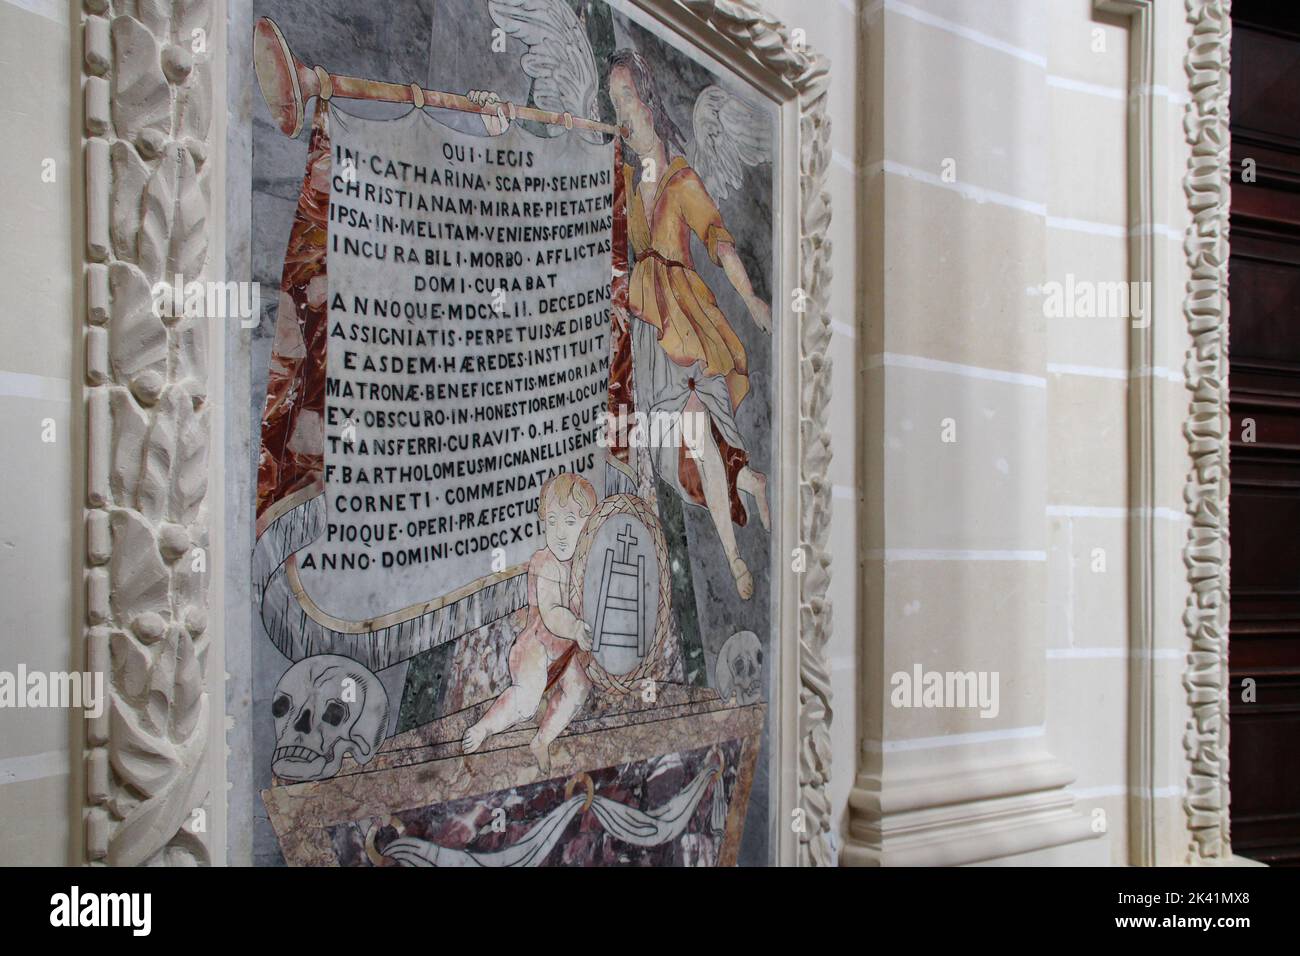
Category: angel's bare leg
[714,479]
[754,483]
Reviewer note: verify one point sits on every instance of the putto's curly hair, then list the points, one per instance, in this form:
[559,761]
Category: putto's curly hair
[644,85]
[564,488]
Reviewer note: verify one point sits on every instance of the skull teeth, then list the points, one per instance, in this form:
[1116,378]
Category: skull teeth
[294,753]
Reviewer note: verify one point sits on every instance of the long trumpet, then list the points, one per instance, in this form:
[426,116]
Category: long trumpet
[287,84]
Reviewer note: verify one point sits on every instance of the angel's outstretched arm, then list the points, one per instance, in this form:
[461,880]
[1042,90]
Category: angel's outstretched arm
[706,220]
[759,310]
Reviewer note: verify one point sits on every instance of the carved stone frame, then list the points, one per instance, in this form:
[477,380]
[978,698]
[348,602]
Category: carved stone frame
[1207,185]
[1206,427]
[149,125]
[154,148]
[1206,551]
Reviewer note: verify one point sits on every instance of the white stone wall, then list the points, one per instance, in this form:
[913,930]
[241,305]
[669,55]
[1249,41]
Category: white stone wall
[1087,362]
[977,554]
[1087,385]
[39,376]
[1007,549]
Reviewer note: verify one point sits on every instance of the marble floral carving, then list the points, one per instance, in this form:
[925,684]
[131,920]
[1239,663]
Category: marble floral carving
[148,117]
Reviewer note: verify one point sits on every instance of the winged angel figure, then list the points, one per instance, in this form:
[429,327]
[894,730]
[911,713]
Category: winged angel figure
[686,357]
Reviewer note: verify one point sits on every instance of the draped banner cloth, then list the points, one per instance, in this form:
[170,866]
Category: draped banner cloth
[625,823]
[413,404]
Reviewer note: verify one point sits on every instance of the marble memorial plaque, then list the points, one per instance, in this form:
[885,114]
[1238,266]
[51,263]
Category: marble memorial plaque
[469,301]
[512,540]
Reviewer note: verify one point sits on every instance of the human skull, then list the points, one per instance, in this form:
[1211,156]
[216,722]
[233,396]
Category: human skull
[324,707]
[740,668]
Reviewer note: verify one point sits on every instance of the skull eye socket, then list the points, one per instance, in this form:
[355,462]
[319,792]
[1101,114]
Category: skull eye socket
[280,706]
[335,711]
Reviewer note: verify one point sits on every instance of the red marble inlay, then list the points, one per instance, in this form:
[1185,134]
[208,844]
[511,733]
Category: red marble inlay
[293,421]
[620,334]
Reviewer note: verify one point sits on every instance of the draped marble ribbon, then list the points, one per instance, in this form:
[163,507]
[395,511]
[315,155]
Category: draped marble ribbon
[637,827]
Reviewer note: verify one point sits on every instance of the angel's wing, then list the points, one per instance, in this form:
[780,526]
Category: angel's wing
[730,134]
[559,57]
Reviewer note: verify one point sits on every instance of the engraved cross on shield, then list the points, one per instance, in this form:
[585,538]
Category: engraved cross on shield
[621,600]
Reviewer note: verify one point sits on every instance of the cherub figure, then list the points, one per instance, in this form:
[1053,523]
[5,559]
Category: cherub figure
[544,656]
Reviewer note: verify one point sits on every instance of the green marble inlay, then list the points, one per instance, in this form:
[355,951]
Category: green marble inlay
[426,685]
[673,518]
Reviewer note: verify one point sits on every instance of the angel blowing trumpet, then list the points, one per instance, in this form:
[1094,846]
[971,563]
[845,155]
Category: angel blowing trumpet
[686,355]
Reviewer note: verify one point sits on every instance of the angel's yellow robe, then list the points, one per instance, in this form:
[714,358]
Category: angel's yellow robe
[676,306]
[666,291]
